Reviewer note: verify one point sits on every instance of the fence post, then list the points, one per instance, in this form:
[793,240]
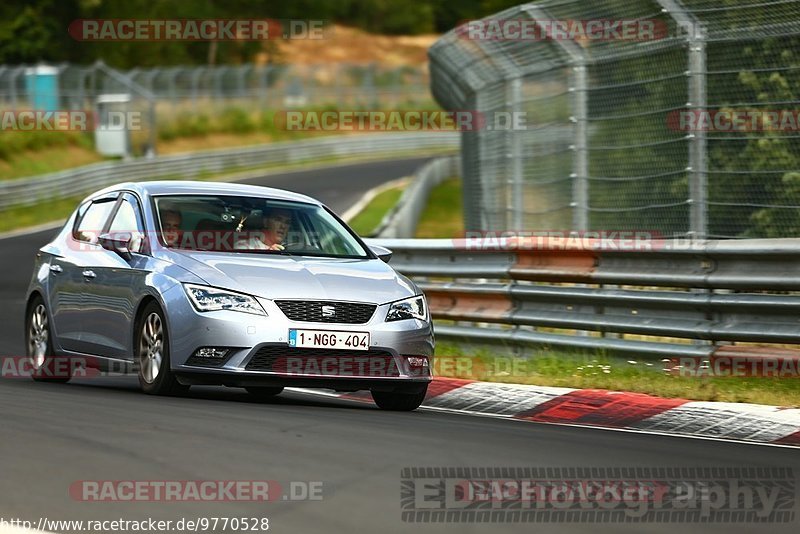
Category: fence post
[578,87]
[337,88]
[516,178]
[696,73]
[12,86]
[580,174]
[263,81]
[698,162]
[195,81]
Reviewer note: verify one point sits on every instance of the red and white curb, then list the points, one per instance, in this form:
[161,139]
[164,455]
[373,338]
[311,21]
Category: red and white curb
[616,410]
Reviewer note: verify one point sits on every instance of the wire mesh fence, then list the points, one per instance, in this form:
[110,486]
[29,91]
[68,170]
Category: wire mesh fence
[274,86]
[678,117]
[163,95]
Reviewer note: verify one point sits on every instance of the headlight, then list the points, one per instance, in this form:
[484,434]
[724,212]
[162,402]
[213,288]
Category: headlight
[207,298]
[413,308]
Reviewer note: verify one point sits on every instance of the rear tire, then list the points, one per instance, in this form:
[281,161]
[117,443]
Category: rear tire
[264,393]
[399,402]
[45,366]
[152,354]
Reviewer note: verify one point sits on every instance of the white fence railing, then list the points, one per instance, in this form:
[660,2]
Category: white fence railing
[74,182]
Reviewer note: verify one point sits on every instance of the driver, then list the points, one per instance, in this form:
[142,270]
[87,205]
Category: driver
[276,226]
[171,227]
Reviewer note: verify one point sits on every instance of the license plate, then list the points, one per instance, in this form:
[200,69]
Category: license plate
[329,339]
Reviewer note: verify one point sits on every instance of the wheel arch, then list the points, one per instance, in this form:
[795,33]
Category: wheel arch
[33,295]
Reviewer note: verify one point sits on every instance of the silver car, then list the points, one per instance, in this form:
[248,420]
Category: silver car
[191,283]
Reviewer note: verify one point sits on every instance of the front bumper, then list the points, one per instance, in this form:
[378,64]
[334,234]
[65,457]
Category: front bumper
[248,337]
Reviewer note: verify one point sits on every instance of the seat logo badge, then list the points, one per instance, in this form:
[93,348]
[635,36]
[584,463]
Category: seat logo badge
[328,311]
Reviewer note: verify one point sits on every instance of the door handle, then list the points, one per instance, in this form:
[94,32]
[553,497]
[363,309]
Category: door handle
[89,274]
[56,269]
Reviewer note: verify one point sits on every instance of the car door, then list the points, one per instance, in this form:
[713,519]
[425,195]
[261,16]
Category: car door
[66,282]
[114,286]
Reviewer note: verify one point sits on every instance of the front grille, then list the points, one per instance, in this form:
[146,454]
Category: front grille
[312,311]
[323,362]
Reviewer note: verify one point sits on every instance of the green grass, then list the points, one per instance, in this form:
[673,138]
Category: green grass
[368,219]
[46,160]
[443,215]
[30,153]
[237,120]
[43,212]
[15,142]
[599,371]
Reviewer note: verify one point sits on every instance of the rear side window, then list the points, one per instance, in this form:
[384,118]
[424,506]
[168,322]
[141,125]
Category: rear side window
[91,224]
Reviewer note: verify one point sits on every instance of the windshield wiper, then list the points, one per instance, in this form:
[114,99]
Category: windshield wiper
[267,251]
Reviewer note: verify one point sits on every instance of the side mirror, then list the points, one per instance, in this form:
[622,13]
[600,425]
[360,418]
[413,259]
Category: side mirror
[382,252]
[119,243]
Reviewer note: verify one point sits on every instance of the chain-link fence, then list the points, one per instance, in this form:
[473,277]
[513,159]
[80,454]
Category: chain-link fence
[685,125]
[159,95]
[192,88]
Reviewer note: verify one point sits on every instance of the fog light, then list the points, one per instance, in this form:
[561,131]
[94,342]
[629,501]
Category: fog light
[417,361]
[211,352]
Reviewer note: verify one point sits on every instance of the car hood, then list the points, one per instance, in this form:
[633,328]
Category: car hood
[299,277]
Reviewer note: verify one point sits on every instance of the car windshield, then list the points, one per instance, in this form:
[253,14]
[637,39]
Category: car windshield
[243,224]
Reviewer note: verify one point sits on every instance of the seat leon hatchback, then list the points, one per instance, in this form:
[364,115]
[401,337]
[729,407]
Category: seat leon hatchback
[188,283]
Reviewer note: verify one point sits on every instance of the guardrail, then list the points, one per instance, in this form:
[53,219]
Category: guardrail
[403,218]
[73,182]
[700,296]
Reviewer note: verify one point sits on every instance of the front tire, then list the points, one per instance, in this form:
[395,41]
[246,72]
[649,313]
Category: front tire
[399,402]
[152,354]
[39,346]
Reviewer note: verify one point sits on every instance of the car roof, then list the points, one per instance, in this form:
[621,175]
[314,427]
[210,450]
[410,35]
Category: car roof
[188,187]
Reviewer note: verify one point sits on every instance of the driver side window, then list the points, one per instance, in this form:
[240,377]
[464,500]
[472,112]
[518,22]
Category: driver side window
[91,224]
[128,220]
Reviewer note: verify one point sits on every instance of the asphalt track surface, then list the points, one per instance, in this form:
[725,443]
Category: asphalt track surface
[104,429]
